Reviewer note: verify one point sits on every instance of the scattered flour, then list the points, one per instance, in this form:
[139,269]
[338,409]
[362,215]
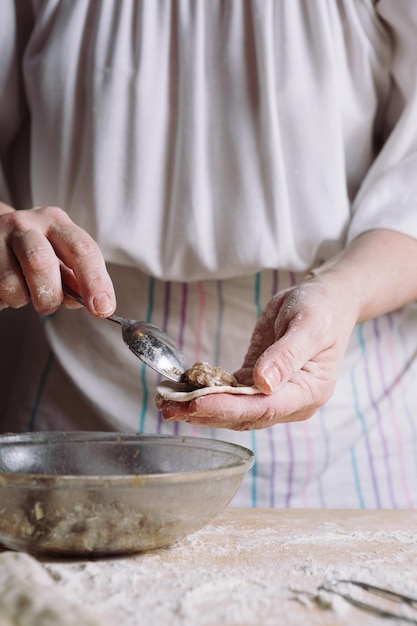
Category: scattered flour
[244,574]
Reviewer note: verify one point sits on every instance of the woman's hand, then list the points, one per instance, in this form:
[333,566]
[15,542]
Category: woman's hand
[41,246]
[293,358]
[300,340]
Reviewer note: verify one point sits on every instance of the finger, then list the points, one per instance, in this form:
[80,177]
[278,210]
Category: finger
[40,268]
[80,252]
[287,356]
[36,239]
[13,288]
[14,291]
[68,280]
[244,376]
[242,412]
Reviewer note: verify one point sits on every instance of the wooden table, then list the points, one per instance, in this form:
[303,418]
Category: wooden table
[251,567]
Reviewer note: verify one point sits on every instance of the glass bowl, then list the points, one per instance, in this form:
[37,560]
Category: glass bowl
[81,493]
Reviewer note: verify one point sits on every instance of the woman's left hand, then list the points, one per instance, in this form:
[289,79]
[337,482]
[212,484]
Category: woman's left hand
[293,358]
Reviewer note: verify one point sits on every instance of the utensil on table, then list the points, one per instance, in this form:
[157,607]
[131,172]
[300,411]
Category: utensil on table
[148,342]
[343,588]
[95,494]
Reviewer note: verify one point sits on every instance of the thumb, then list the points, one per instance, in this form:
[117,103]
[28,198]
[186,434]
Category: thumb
[283,359]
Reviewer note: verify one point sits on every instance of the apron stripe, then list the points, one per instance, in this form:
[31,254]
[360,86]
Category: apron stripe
[219,324]
[145,388]
[290,466]
[309,463]
[39,391]
[200,322]
[183,323]
[407,410]
[356,477]
[145,398]
[199,333]
[167,302]
[290,475]
[273,466]
[394,416]
[273,432]
[42,382]
[218,333]
[326,447]
[361,417]
[166,308]
[258,306]
[377,411]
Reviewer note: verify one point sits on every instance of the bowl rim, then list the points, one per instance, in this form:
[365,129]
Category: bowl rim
[245,459]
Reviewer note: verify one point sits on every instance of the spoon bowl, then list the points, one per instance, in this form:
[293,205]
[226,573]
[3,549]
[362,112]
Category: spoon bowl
[149,343]
[154,347]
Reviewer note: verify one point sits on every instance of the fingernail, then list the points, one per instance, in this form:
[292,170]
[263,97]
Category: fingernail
[272,377]
[102,304]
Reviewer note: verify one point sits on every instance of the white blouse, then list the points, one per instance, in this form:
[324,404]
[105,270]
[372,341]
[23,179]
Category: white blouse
[197,139]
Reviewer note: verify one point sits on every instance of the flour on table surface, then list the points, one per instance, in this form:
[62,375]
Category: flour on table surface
[29,597]
[243,576]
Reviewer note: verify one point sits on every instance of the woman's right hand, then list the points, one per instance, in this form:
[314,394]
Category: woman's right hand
[39,248]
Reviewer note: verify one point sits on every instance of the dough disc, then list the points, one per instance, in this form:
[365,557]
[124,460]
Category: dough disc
[178,393]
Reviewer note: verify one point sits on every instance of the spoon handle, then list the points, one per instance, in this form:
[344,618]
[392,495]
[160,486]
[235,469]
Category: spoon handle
[69,291]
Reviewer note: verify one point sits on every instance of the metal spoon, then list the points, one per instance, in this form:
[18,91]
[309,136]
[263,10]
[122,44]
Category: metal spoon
[148,342]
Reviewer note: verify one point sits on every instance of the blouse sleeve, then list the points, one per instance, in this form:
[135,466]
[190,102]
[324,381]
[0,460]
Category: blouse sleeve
[15,25]
[387,197]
